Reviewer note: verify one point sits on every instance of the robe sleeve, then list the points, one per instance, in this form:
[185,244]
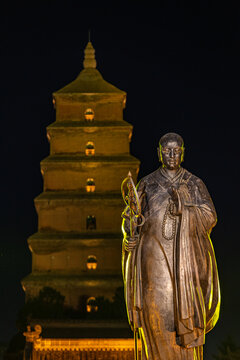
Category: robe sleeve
[197,276]
[199,198]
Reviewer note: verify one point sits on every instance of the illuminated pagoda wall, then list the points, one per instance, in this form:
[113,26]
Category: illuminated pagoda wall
[77,249]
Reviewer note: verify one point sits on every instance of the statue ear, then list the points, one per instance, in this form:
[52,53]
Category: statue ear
[159,155]
[183,153]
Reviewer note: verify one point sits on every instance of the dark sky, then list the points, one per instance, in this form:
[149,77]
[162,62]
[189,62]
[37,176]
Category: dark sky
[179,65]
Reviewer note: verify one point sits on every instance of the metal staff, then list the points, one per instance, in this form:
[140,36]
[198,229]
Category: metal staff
[136,219]
[133,203]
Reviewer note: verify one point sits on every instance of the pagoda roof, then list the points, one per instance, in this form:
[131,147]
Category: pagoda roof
[89,81]
[84,124]
[123,159]
[84,280]
[76,235]
[46,243]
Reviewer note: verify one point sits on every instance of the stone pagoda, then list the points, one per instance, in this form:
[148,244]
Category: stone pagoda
[77,249]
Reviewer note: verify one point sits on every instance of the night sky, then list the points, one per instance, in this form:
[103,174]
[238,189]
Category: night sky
[180,67]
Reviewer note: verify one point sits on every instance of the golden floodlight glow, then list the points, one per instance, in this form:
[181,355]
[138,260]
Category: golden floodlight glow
[49,344]
[89,115]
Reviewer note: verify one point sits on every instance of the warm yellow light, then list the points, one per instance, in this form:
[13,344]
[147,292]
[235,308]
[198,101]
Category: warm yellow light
[91,304]
[90,188]
[124,101]
[130,136]
[49,344]
[92,266]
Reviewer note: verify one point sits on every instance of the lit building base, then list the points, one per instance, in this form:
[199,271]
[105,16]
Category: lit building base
[79,340]
[83,349]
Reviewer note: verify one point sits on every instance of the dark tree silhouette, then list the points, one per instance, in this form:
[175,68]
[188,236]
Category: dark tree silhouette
[49,304]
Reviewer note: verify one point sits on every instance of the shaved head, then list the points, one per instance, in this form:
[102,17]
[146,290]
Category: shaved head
[171,137]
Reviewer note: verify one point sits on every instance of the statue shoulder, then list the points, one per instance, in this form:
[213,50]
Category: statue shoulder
[193,181]
[148,179]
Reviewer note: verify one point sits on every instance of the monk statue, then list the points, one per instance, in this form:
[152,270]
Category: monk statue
[170,274]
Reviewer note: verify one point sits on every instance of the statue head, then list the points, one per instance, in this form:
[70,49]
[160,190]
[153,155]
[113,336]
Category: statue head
[171,151]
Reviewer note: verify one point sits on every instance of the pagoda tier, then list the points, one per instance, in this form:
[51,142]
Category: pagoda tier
[77,249]
[65,211]
[70,172]
[109,137]
[106,107]
[65,255]
[73,286]
[44,243]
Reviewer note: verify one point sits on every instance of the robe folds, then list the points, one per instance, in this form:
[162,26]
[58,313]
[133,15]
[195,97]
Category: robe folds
[171,281]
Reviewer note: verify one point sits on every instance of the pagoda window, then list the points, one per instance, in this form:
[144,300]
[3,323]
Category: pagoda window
[90,185]
[92,305]
[89,115]
[91,262]
[90,149]
[91,222]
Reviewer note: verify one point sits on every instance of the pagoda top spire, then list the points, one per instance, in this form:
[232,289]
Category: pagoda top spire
[89,80]
[89,61]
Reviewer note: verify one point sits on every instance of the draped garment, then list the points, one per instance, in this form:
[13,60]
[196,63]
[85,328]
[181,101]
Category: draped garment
[171,280]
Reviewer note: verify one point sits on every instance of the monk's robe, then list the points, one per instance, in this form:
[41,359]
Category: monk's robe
[171,280]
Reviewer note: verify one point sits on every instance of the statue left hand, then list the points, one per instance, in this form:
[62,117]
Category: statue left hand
[130,243]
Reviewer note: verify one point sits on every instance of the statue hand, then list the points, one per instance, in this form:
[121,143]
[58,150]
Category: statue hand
[130,243]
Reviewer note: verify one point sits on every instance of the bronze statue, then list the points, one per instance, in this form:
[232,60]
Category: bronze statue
[169,268]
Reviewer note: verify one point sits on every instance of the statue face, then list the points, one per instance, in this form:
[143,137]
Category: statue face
[171,155]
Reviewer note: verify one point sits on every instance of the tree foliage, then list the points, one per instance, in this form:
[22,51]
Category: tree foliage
[49,304]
